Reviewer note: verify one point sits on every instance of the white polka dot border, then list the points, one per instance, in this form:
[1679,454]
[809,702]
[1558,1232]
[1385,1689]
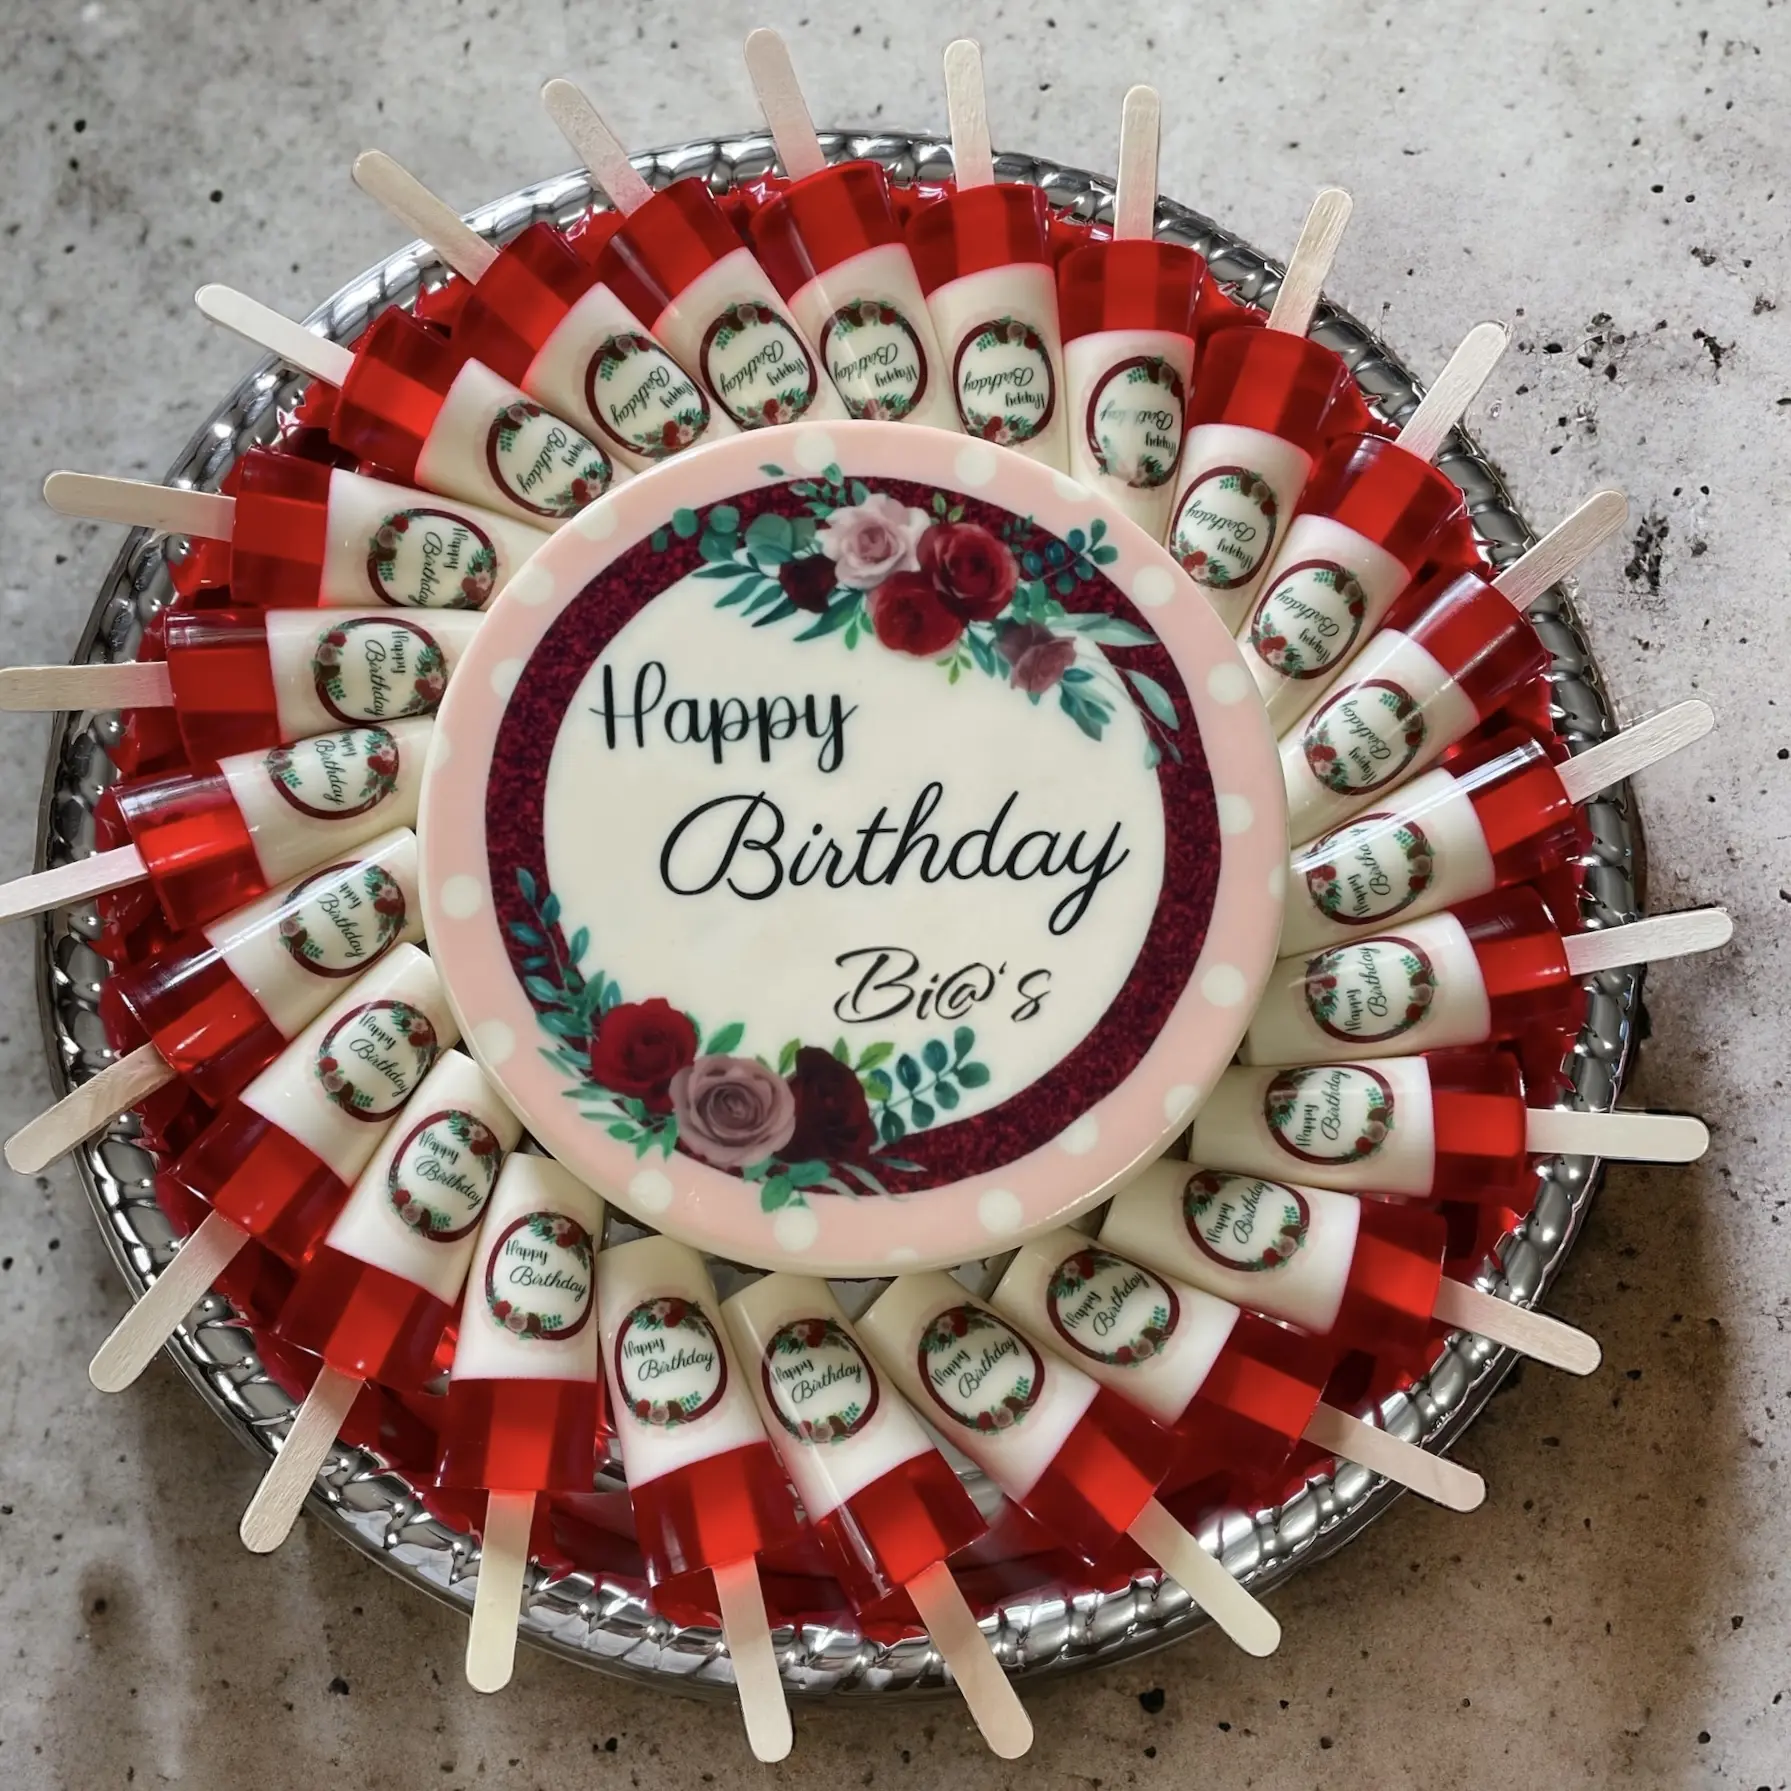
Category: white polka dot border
[1153,586]
[975,465]
[1079,1139]
[901,1256]
[1228,683]
[1072,491]
[595,522]
[1236,815]
[494,1042]
[1278,883]
[651,1191]
[815,450]
[1224,985]
[462,897]
[796,1229]
[1000,1212]
[1178,1100]
[534,584]
[504,676]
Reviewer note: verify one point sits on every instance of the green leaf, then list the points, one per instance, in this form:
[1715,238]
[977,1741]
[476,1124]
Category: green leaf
[973,1075]
[540,989]
[920,1115]
[550,909]
[724,519]
[842,1050]
[890,1128]
[770,539]
[776,614]
[962,1042]
[837,614]
[626,1133]
[878,1085]
[786,1058]
[809,1173]
[684,523]
[774,1194]
[860,493]
[945,1094]
[776,472]
[581,943]
[660,541]
[872,1055]
[1104,555]
[908,1071]
[1108,631]
[722,1042]
[935,1054]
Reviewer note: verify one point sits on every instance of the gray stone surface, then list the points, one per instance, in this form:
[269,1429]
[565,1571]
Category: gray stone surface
[1611,177]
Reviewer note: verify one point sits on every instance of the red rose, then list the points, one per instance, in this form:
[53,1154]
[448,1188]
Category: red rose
[833,1118]
[910,617]
[1039,658]
[808,582]
[640,1046]
[975,574]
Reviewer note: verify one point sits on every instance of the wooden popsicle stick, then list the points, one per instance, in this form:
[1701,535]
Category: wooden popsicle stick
[1456,388]
[85,1110]
[967,106]
[1310,264]
[1135,185]
[1342,1434]
[1533,1334]
[1632,1137]
[1648,941]
[1251,1625]
[760,1686]
[287,1484]
[172,1295]
[598,146]
[497,1598]
[140,505]
[978,1675]
[1562,548]
[70,883]
[773,78]
[434,220]
[1612,761]
[276,332]
[131,684]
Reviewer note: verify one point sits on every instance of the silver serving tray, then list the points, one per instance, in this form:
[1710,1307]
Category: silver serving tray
[606,1624]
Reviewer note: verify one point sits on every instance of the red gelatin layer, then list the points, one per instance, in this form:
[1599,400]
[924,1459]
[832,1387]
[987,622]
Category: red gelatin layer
[363,1320]
[1108,1469]
[263,1180]
[906,1521]
[198,853]
[521,1436]
[719,1511]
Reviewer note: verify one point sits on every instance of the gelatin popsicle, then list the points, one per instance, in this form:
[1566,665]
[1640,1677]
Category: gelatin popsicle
[1202,1367]
[210,839]
[707,1491]
[218,1004]
[886,1505]
[831,244]
[307,536]
[1073,1456]
[1451,1126]
[1127,309]
[377,1295]
[539,315]
[677,262]
[525,1394]
[277,1163]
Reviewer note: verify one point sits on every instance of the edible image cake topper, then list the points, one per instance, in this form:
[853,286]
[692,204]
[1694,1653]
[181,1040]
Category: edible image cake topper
[853,846]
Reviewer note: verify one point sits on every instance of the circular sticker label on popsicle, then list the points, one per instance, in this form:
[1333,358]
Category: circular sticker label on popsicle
[755,363]
[875,359]
[1225,527]
[1243,1222]
[367,670]
[818,1381]
[670,1366]
[1372,990]
[425,558]
[1364,737]
[539,1277]
[333,777]
[978,1371]
[642,399]
[1110,1310]
[1308,619]
[371,1059]
[442,1173]
[1368,869]
[1134,422]
[339,921]
[542,463]
[1002,378]
[1330,1113]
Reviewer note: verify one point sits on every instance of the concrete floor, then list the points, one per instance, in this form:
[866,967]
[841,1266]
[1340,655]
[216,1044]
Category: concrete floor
[1609,176]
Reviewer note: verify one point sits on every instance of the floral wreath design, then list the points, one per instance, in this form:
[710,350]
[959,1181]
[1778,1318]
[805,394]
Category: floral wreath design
[585,486]
[383,894]
[1328,763]
[1202,566]
[556,1231]
[475,1139]
[429,675]
[863,566]
[1326,887]
[1283,1099]
[419,1034]
[678,430]
[1323,992]
[1288,657]
[998,426]
[669,1313]
[788,402]
[801,1337]
[476,580]
[868,313]
[807,1119]
[1290,1232]
[1075,1272]
[946,1333]
[379,772]
[1142,472]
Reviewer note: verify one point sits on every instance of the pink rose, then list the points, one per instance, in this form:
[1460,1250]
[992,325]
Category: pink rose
[869,541]
[732,1110]
[1039,658]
